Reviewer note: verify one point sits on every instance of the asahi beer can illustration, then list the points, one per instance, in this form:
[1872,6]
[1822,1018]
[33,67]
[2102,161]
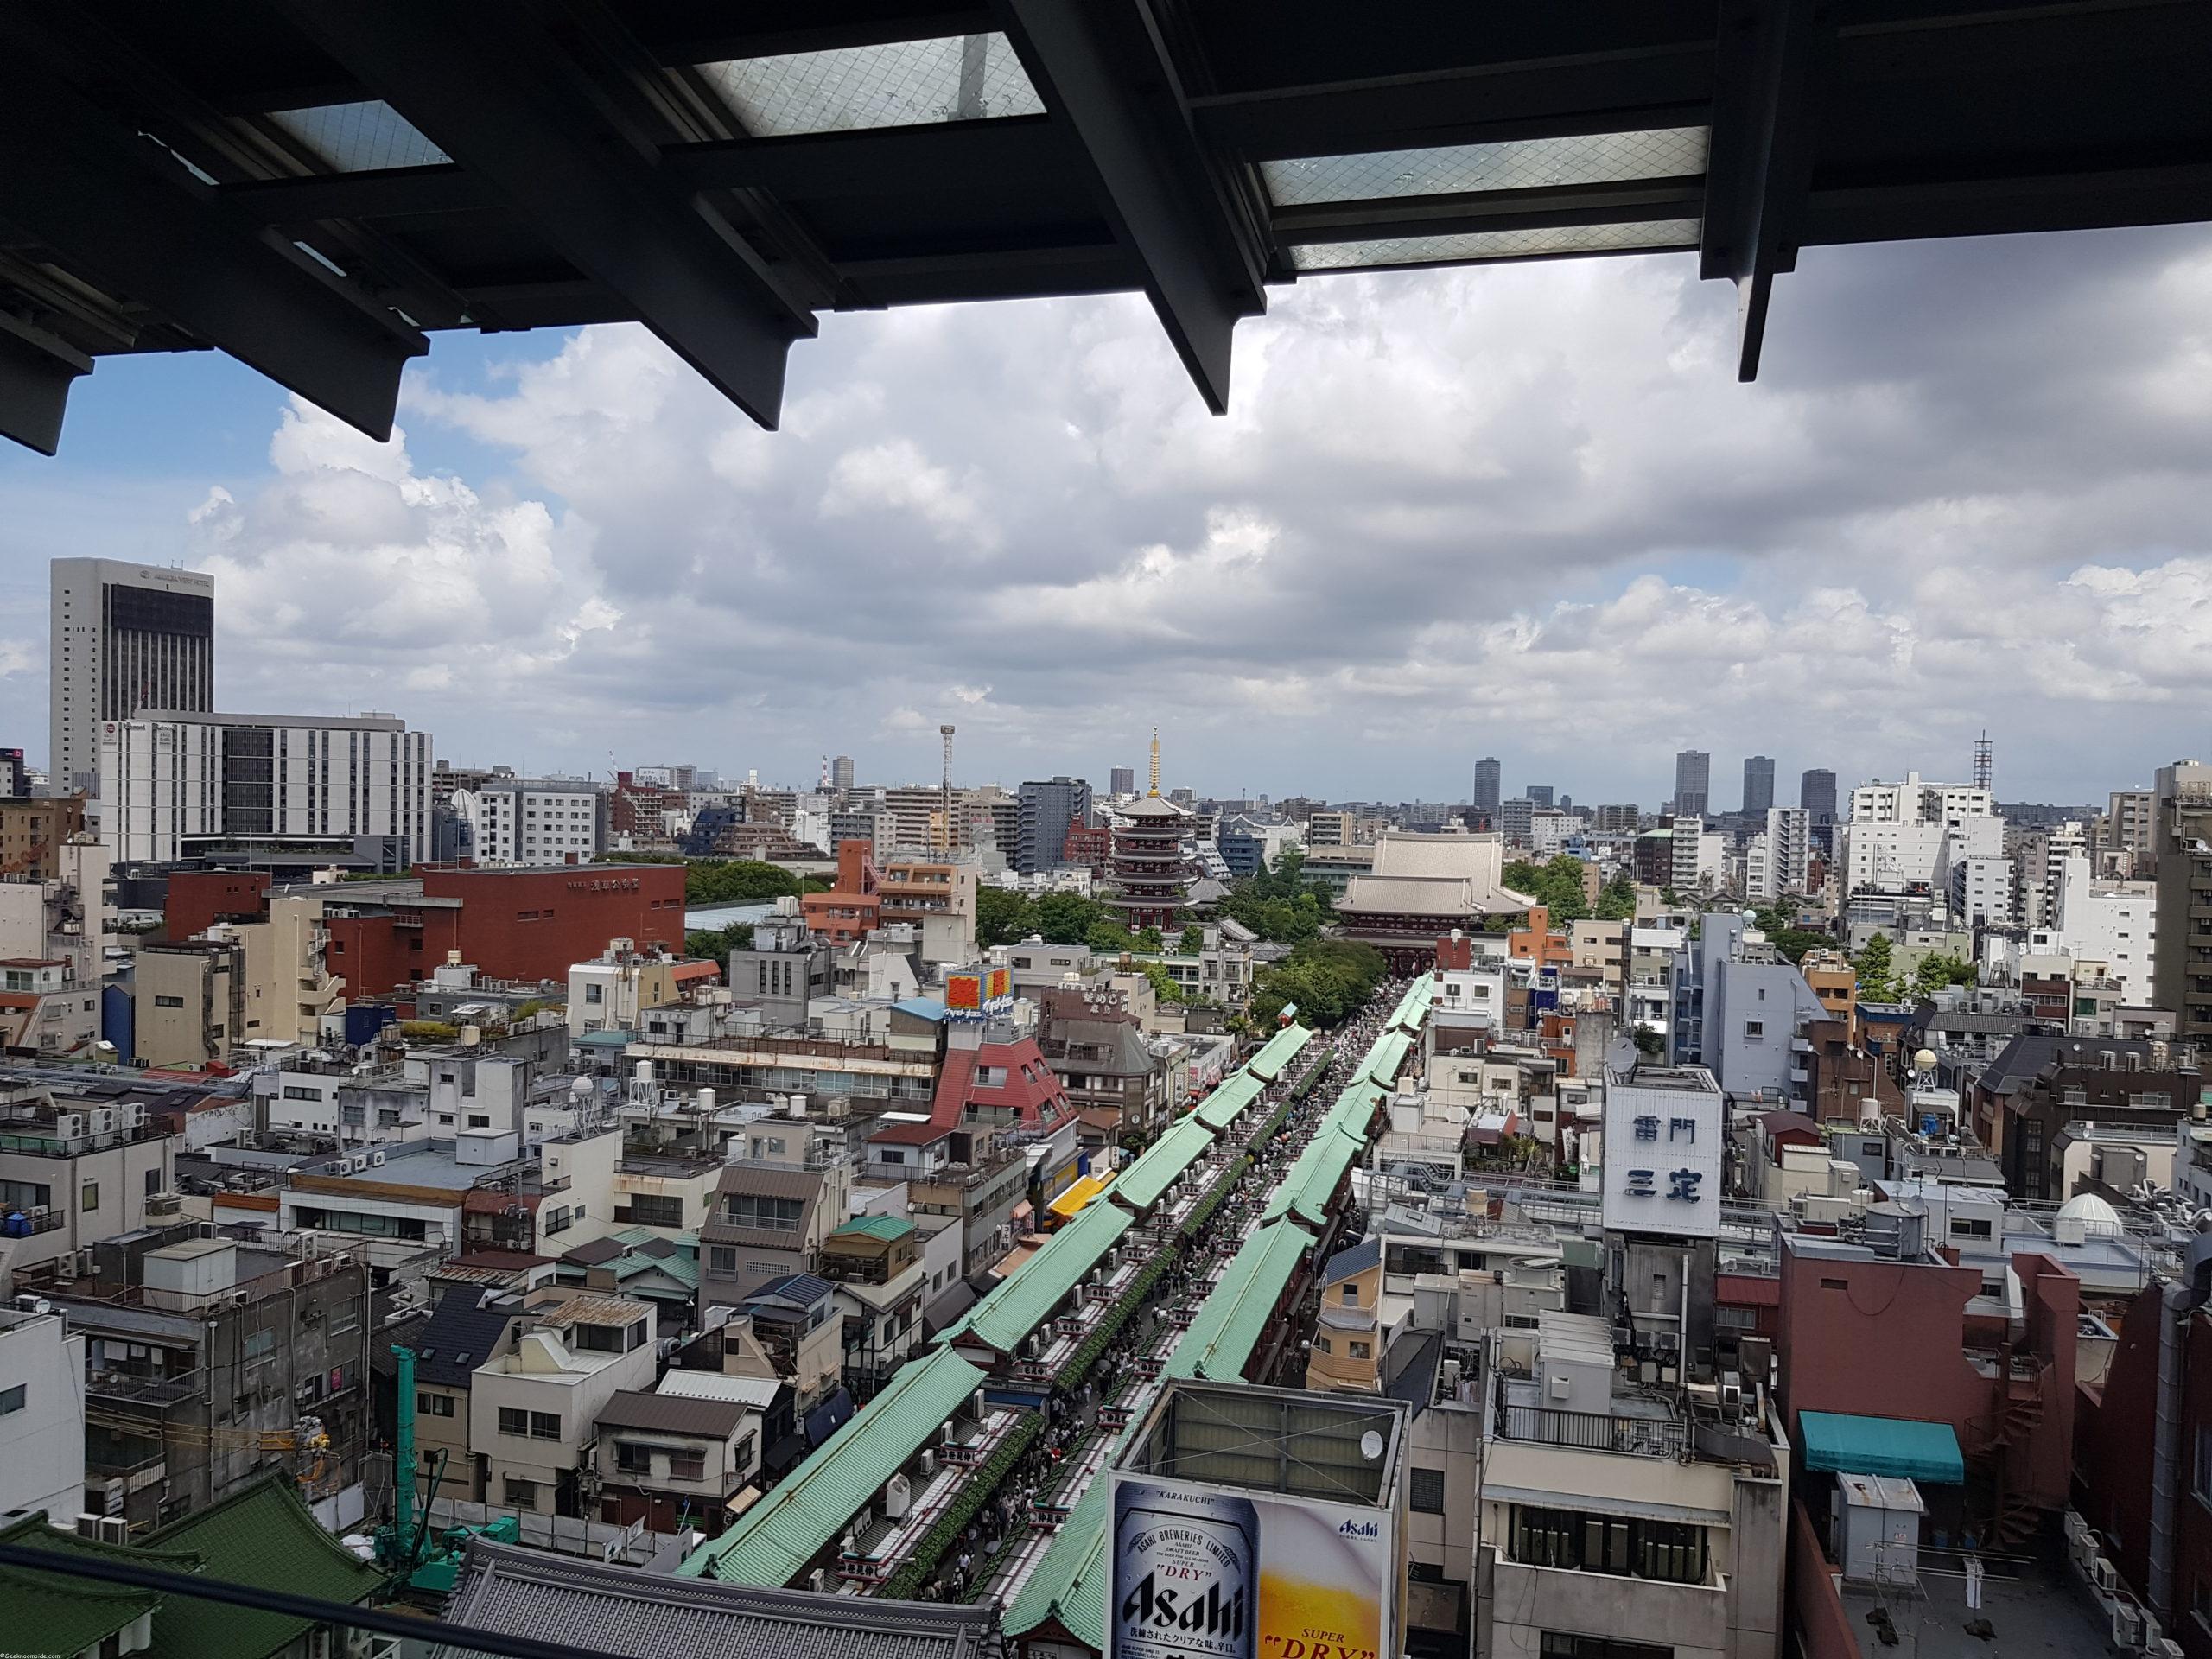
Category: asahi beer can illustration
[1186,1579]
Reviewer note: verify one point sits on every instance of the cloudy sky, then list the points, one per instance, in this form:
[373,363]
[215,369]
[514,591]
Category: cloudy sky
[1520,510]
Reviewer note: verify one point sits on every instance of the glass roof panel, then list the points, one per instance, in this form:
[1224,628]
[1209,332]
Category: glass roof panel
[1456,169]
[360,137]
[910,83]
[1643,236]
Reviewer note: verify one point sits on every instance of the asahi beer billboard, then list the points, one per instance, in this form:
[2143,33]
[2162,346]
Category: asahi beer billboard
[1202,1571]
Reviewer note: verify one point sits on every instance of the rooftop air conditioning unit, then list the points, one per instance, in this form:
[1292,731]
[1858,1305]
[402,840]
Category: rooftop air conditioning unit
[2127,1625]
[113,1529]
[376,1157]
[1731,1391]
[2101,1576]
[822,1581]
[929,1463]
[103,1120]
[69,1126]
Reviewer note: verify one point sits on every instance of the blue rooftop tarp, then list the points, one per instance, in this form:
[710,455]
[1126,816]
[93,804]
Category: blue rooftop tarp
[1899,1446]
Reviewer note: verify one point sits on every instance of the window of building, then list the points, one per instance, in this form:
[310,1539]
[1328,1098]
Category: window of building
[1666,1550]
[1426,1492]
[1350,1293]
[153,1182]
[1754,1030]
[88,1199]
[1362,1351]
[544,1424]
[1321,1345]
[1970,1227]
[12,1399]
[1560,1644]
[513,1421]
[722,1259]
[767,1214]
[433,1405]
[633,1459]
[521,1494]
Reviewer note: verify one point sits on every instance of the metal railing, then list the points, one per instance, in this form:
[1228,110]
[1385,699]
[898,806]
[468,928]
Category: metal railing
[1590,1431]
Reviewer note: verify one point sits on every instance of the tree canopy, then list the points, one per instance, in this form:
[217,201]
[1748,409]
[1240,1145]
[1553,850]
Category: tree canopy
[1280,903]
[1935,970]
[1877,970]
[1557,885]
[715,943]
[1327,978]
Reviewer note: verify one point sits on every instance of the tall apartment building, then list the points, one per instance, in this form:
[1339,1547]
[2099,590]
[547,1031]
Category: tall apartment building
[1692,783]
[1783,854]
[1816,794]
[1122,780]
[2183,974]
[1046,810]
[1759,783]
[2131,827]
[840,773]
[530,820]
[125,637]
[1488,786]
[177,785]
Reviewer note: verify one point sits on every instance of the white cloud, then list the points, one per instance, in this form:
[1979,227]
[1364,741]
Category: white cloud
[1526,511]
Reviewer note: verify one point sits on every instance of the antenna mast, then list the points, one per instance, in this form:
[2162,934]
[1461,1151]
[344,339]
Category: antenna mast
[944,791]
[1985,759]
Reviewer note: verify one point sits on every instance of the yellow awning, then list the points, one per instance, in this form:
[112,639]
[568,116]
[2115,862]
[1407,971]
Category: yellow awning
[1070,1203]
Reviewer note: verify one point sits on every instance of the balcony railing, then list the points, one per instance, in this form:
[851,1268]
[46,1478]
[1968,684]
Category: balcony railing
[1592,1431]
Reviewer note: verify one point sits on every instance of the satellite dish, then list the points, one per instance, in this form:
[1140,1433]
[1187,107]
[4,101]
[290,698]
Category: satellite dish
[1370,1446]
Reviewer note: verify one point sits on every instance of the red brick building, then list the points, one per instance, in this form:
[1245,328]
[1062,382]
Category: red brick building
[199,898]
[2117,1457]
[1913,1337]
[853,908]
[519,924]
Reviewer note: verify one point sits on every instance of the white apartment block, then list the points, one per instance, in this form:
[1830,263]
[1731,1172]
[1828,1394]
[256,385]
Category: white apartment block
[526,821]
[1981,890]
[175,785]
[125,637]
[42,1413]
[1888,856]
[2115,923]
[1915,802]
[1780,859]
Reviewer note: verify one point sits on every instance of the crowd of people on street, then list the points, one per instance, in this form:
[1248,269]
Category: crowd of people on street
[1045,1483]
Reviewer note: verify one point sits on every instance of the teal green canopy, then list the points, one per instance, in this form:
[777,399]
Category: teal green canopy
[1882,1445]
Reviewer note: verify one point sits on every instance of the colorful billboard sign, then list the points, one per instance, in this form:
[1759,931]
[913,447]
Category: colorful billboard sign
[1206,1571]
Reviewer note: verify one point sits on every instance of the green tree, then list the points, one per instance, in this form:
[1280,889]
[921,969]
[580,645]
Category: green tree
[1876,966]
[1936,971]
[1557,885]
[1107,938]
[1004,916]
[1192,941]
[1150,939]
[1280,903]
[1163,983]
[1649,1043]
[715,943]
[1617,900]
[1327,978]
[1066,917]
[742,881]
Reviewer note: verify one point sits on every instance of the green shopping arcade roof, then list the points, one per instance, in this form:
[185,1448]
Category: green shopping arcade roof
[1897,1446]
[316,189]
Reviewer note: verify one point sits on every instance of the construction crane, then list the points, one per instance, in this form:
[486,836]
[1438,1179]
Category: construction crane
[404,1549]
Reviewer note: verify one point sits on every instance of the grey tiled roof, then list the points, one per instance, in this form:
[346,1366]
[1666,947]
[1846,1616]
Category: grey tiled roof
[462,1334]
[618,1610]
